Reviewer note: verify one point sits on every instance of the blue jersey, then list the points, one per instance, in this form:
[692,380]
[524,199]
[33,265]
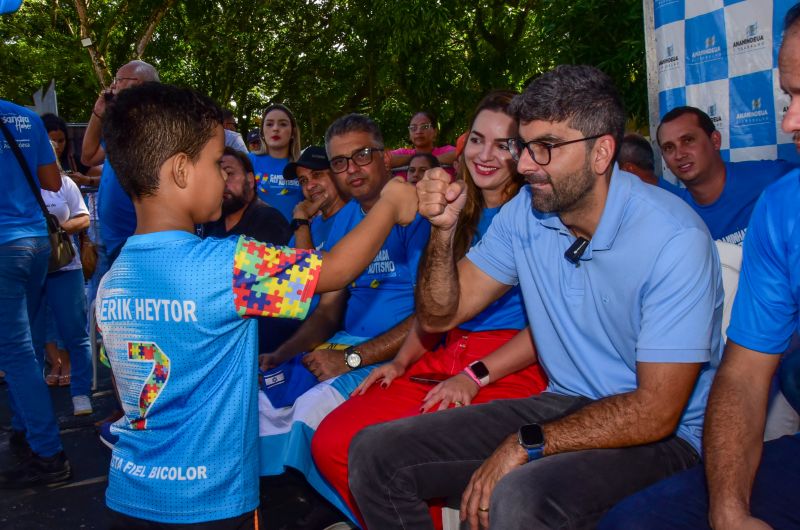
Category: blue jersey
[507,312]
[272,188]
[766,311]
[727,217]
[171,312]
[114,210]
[20,214]
[383,295]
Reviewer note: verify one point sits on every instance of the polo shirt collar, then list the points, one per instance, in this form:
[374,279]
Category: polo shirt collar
[610,222]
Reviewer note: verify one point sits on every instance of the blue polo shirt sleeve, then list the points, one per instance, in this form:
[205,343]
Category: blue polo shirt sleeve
[494,253]
[765,312]
[678,302]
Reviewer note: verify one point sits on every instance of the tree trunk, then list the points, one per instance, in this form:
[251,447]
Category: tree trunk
[98,63]
[155,18]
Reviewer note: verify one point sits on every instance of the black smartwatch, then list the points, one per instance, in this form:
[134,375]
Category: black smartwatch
[297,223]
[352,357]
[531,438]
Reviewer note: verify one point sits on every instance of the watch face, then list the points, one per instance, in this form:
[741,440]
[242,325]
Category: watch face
[479,369]
[531,435]
[353,360]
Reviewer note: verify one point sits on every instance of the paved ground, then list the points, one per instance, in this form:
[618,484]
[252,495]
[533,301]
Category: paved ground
[80,503]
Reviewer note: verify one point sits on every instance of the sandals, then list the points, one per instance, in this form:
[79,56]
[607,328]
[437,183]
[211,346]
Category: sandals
[51,379]
[64,380]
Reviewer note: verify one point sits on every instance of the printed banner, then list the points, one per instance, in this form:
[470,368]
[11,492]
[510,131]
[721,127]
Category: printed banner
[722,57]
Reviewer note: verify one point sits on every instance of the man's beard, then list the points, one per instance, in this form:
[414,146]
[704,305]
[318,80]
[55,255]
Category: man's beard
[568,193]
[232,204]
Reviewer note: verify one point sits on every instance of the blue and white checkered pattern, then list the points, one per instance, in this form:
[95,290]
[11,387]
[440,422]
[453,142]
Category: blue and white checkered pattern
[722,57]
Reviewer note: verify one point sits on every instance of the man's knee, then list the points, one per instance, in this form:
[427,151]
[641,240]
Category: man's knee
[372,454]
[519,501]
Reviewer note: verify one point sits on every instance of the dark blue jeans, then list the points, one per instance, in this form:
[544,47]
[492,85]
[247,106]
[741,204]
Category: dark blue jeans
[681,502]
[23,266]
[395,466]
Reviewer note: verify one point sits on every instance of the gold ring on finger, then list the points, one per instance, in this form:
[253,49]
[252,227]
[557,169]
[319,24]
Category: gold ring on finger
[485,510]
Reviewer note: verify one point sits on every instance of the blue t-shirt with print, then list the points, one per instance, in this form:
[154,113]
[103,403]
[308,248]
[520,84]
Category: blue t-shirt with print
[272,188]
[728,216]
[766,311]
[20,214]
[383,295]
[648,288]
[171,310]
[508,311]
[114,210]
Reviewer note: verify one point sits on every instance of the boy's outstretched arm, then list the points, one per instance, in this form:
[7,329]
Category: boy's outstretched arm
[346,260]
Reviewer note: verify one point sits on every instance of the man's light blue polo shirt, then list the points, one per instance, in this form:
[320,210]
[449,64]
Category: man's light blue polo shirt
[767,307]
[648,289]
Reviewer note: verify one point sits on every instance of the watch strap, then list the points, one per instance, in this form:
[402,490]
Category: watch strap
[534,453]
[297,223]
[469,373]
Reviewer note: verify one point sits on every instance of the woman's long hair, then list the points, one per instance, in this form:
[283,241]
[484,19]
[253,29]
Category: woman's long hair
[53,123]
[294,139]
[467,227]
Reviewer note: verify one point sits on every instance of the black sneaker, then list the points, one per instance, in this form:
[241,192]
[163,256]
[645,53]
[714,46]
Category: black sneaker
[37,471]
[19,445]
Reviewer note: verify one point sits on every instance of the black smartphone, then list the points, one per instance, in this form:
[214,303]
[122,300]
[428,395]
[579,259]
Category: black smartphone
[429,379]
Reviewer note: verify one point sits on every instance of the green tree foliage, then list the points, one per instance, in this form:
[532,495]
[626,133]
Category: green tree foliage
[324,58]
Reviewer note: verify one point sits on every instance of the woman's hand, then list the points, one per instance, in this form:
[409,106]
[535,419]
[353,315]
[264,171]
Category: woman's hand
[387,372]
[459,390]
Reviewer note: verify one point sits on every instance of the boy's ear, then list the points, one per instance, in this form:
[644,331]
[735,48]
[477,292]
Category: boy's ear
[180,169]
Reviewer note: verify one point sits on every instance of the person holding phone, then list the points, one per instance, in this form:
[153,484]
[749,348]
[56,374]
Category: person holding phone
[490,357]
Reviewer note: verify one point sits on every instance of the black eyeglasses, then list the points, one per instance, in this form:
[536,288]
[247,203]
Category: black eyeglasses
[540,151]
[362,157]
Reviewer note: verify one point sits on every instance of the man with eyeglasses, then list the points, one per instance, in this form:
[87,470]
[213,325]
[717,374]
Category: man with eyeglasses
[622,286]
[377,309]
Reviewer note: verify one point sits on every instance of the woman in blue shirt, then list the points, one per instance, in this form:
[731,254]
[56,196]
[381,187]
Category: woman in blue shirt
[280,137]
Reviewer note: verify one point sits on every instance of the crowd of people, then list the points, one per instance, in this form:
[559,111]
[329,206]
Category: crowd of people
[527,325]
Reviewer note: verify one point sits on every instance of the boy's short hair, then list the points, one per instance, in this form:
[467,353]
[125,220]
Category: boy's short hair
[147,124]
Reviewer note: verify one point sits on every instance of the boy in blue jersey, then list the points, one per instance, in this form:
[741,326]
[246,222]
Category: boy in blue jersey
[171,311]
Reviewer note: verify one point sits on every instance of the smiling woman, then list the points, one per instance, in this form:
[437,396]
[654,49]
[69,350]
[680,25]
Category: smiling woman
[281,138]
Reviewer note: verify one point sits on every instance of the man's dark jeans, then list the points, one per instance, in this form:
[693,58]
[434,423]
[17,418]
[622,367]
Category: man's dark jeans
[395,466]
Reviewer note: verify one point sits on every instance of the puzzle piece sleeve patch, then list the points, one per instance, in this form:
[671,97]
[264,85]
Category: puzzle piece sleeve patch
[273,281]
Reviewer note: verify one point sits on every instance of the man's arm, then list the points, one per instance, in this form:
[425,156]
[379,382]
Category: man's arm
[351,255]
[326,364]
[647,414]
[448,294]
[92,153]
[316,329]
[734,432]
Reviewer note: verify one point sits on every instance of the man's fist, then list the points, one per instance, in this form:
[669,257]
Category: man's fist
[441,201]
